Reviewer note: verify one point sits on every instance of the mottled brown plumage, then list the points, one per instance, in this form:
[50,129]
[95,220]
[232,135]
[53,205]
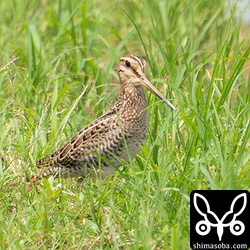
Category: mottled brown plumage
[112,139]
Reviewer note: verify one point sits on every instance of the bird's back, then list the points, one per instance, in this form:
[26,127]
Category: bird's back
[98,148]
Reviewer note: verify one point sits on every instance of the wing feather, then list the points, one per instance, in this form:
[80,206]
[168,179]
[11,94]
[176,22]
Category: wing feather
[83,143]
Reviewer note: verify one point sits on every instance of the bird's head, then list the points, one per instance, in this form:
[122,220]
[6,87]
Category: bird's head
[132,70]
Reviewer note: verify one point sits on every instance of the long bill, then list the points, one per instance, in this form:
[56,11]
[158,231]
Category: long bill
[146,83]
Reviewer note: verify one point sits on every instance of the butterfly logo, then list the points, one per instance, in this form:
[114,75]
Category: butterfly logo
[210,219]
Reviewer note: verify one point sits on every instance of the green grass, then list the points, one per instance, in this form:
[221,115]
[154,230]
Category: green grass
[58,73]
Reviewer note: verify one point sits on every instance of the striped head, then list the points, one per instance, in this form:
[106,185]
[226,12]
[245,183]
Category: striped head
[132,70]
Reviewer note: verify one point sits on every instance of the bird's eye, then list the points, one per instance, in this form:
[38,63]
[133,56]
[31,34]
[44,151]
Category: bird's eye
[127,63]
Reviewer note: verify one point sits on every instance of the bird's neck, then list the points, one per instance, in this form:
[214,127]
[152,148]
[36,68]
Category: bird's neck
[132,106]
[133,97]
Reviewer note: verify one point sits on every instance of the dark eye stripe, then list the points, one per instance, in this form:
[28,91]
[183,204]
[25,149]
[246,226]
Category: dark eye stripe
[139,61]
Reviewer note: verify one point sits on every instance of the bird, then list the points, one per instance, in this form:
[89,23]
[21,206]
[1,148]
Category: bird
[114,138]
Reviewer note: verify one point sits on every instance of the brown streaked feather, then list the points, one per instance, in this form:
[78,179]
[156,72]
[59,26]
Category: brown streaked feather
[78,147]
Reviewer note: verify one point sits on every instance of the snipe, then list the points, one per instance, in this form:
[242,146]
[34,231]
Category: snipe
[115,137]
